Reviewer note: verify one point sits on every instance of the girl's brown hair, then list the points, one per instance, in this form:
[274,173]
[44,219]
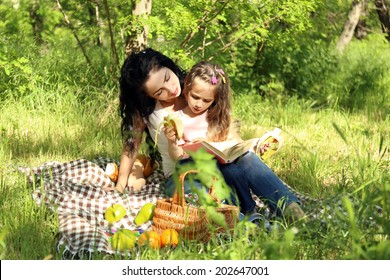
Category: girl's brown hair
[219,113]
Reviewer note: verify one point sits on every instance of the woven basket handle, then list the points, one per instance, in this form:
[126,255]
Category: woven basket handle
[213,194]
[178,198]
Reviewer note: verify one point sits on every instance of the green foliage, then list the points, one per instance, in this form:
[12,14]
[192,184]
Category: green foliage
[29,68]
[279,55]
[14,18]
[29,19]
[359,82]
[209,176]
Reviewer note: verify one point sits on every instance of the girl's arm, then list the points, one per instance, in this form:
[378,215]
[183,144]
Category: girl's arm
[175,152]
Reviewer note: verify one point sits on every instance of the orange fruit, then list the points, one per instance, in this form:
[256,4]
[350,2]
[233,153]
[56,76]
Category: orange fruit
[150,238]
[169,237]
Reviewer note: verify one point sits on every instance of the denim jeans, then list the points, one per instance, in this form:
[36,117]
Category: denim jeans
[170,185]
[250,173]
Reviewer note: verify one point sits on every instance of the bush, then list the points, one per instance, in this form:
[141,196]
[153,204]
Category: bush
[27,68]
[361,79]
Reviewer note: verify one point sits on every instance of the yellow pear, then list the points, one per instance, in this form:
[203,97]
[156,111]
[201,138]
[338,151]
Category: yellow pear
[123,239]
[114,213]
[145,214]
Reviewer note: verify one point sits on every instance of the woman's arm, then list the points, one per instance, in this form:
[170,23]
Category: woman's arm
[128,158]
[125,167]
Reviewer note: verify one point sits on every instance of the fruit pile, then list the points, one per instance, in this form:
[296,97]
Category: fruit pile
[125,239]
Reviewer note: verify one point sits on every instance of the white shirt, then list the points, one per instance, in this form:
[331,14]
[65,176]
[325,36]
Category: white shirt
[162,142]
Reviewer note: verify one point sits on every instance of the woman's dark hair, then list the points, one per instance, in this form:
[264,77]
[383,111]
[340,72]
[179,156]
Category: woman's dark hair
[134,103]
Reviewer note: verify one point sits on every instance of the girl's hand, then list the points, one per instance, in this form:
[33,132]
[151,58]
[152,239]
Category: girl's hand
[261,149]
[170,133]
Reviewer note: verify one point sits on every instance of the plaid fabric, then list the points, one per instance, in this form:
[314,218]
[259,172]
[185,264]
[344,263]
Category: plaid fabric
[80,192]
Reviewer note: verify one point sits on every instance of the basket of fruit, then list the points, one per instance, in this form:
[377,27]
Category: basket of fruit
[174,213]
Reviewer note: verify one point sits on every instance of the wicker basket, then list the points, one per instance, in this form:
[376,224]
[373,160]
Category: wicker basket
[231,213]
[190,221]
[174,213]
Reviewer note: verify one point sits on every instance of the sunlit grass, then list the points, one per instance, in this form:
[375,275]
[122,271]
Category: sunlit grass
[326,152]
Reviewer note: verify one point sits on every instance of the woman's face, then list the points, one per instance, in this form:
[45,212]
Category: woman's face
[163,84]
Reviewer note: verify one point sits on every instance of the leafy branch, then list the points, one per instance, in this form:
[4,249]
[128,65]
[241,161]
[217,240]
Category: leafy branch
[73,30]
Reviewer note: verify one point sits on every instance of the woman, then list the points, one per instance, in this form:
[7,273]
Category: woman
[151,86]
[149,82]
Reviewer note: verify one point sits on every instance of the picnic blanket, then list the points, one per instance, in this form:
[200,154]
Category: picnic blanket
[79,192]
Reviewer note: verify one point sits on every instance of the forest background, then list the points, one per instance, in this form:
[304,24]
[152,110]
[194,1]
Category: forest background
[319,69]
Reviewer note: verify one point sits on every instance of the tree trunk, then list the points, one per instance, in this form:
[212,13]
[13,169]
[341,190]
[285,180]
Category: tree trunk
[361,28]
[351,23]
[99,22]
[95,20]
[37,22]
[382,8]
[137,40]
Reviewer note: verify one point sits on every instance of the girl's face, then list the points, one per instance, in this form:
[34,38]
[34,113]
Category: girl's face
[200,96]
[163,85]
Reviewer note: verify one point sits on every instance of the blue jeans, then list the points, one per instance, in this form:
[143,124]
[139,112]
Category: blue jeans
[170,184]
[250,173]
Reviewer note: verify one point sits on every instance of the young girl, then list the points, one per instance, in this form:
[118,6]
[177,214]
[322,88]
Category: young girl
[208,116]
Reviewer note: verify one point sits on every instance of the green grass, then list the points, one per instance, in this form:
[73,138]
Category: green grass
[327,152]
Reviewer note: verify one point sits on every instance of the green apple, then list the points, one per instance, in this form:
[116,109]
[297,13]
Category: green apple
[123,239]
[114,213]
[145,214]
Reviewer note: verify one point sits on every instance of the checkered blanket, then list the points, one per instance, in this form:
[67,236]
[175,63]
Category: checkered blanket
[80,192]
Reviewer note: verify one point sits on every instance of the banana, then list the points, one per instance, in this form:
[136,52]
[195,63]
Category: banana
[171,121]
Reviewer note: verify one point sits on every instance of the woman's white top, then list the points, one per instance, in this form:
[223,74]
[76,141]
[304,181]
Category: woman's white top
[162,142]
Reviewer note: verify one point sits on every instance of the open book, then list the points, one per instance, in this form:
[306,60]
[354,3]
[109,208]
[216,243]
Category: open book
[229,151]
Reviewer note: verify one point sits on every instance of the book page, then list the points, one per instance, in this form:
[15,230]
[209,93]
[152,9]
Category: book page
[230,150]
[221,146]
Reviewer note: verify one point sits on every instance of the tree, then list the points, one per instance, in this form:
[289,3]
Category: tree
[357,9]
[137,37]
[382,8]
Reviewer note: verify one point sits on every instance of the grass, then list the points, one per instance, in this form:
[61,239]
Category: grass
[327,152]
